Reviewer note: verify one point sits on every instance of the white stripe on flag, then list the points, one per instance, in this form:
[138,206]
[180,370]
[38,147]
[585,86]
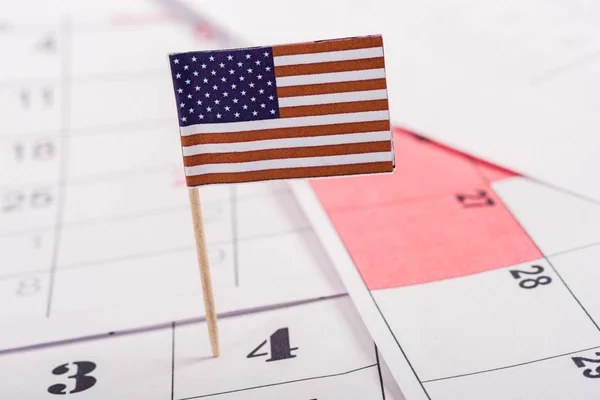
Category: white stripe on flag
[287,143]
[330,77]
[285,122]
[341,55]
[332,98]
[303,162]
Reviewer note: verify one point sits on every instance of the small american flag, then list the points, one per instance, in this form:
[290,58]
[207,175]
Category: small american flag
[288,111]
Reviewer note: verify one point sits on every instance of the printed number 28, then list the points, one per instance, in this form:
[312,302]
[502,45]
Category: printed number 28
[531,283]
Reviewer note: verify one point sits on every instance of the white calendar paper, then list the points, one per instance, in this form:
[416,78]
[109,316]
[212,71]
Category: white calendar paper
[512,82]
[95,225]
[99,281]
[473,281]
[269,354]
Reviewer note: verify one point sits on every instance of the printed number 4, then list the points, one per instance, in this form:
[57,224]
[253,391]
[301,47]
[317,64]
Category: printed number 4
[531,283]
[580,362]
[279,343]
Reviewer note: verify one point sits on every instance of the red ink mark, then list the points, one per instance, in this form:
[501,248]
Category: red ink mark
[202,32]
[178,177]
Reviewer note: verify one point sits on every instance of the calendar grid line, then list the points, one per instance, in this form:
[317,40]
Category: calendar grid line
[112,176]
[151,254]
[86,79]
[511,366]
[63,166]
[571,193]
[167,324]
[189,248]
[572,294]
[546,257]
[280,383]
[119,174]
[97,130]
[84,25]
[126,216]
[379,371]
[548,75]
[393,203]
[234,239]
[105,129]
[173,360]
[585,246]
[109,129]
[98,221]
[408,362]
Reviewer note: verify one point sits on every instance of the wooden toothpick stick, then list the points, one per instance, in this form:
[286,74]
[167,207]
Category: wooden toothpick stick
[209,301]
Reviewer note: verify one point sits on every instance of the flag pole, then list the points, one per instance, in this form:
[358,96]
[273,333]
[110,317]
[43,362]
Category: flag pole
[209,301]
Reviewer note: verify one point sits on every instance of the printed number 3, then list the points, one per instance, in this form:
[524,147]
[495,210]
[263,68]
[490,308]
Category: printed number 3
[83,381]
[531,283]
[588,372]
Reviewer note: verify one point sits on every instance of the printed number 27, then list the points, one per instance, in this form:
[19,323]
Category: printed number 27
[588,372]
[531,283]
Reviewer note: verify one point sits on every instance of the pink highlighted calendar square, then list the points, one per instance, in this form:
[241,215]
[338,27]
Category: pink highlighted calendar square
[418,242]
[423,170]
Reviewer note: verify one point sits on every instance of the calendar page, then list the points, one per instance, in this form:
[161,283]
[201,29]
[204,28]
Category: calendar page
[474,282]
[310,351]
[96,232]
[513,82]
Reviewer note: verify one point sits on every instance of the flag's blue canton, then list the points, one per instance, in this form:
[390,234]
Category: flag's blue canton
[224,86]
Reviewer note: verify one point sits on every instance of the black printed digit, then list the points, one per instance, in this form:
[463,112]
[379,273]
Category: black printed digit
[83,381]
[12,201]
[40,199]
[27,287]
[19,151]
[48,96]
[531,283]
[480,199]
[44,95]
[18,200]
[25,98]
[47,44]
[279,347]
[43,150]
[581,362]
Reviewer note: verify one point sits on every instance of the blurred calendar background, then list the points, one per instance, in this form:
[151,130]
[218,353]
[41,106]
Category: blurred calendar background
[96,239]
[99,287]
